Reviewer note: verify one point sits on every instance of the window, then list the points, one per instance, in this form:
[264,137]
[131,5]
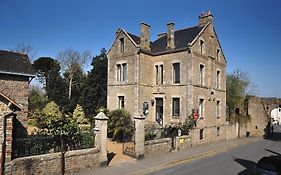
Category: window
[124,66]
[201,74]
[201,46]
[218,109]
[121,102]
[218,54]
[176,107]
[122,48]
[201,134]
[176,73]
[122,72]
[159,74]
[118,72]
[201,108]
[218,131]
[218,79]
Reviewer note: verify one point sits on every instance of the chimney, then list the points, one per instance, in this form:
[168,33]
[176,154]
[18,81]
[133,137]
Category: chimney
[171,36]
[204,18]
[145,36]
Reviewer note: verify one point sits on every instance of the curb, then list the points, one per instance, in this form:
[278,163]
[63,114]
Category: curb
[195,157]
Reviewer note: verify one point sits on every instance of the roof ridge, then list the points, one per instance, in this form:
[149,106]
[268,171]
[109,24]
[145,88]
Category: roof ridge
[132,34]
[186,28]
[10,51]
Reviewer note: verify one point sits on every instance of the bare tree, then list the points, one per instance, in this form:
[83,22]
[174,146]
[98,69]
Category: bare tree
[25,48]
[72,61]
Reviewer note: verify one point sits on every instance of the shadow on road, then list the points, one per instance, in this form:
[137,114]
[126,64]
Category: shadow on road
[248,164]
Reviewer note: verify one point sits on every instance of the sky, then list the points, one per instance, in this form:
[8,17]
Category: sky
[249,31]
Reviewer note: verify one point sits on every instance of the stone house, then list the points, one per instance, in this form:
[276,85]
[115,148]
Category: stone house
[16,73]
[180,71]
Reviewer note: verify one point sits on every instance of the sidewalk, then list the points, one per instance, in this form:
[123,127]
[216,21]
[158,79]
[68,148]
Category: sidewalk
[152,164]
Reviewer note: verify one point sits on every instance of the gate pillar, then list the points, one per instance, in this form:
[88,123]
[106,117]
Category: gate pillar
[101,137]
[139,136]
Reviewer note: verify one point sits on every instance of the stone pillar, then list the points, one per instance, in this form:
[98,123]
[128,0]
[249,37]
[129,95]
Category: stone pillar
[101,137]
[139,136]
[6,139]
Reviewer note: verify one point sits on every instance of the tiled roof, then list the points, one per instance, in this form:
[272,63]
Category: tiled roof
[182,38]
[15,63]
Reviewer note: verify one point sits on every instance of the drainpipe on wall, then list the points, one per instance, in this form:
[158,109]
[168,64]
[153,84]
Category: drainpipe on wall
[3,154]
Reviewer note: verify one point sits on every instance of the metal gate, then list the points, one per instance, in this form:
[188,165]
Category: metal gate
[129,143]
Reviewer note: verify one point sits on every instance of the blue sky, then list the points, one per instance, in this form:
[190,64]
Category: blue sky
[249,31]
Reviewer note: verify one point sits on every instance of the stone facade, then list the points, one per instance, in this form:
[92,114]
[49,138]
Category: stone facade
[142,74]
[49,164]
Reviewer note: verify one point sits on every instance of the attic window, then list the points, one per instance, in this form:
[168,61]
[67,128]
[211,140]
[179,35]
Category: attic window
[218,54]
[201,46]
[121,44]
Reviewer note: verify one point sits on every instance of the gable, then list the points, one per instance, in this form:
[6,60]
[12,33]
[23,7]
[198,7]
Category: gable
[211,43]
[8,104]
[130,44]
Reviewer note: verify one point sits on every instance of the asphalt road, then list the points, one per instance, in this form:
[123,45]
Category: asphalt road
[240,160]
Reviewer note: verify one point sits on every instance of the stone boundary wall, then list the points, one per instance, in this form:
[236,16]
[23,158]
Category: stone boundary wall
[183,142]
[157,146]
[49,164]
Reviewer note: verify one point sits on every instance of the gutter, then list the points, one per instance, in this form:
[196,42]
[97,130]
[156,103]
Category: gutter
[15,73]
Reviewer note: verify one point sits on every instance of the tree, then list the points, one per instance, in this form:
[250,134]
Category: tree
[25,48]
[55,123]
[48,72]
[237,89]
[79,115]
[94,93]
[36,100]
[237,84]
[72,61]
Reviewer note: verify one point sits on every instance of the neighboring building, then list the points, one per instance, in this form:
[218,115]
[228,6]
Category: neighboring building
[276,116]
[180,71]
[16,73]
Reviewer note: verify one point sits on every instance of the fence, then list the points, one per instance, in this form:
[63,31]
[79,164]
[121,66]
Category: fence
[36,145]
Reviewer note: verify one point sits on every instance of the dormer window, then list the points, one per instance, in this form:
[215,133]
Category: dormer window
[122,48]
[201,46]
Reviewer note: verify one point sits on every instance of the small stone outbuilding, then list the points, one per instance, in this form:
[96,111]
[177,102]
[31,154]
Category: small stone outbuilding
[16,72]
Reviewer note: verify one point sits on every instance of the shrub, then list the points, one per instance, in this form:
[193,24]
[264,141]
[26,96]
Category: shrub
[120,124]
[150,135]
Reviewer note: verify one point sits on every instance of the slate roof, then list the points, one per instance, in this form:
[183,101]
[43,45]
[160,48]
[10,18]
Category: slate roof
[15,63]
[182,38]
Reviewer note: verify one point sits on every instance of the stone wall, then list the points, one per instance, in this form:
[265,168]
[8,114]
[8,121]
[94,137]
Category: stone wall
[183,142]
[156,147]
[16,88]
[49,164]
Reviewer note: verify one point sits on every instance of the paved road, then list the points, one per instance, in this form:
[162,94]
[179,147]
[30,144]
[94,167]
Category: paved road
[237,161]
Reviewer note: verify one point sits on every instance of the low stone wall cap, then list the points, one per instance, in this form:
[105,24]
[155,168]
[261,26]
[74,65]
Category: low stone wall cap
[101,116]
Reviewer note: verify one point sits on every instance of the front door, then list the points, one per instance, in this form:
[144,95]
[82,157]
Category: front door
[159,110]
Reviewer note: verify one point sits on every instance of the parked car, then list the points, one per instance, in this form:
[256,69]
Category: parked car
[268,166]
